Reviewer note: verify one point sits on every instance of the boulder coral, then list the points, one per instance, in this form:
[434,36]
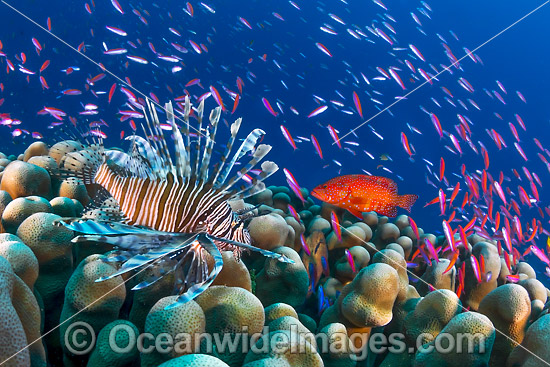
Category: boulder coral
[60,149]
[5,199]
[50,165]
[385,233]
[435,276]
[353,235]
[21,179]
[283,348]
[233,274]
[20,209]
[535,289]
[337,350]
[22,260]
[292,324]
[277,310]
[534,347]
[232,312]
[188,320]
[122,333]
[29,312]
[194,360]
[52,247]
[51,244]
[343,269]
[368,300]
[430,316]
[396,261]
[19,321]
[36,149]
[88,301]
[508,307]
[73,188]
[142,300]
[231,309]
[474,291]
[467,340]
[283,282]
[62,206]
[268,231]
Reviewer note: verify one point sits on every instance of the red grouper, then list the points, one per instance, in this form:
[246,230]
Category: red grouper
[363,193]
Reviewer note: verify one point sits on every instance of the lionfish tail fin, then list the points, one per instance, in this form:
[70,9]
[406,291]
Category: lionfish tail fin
[83,164]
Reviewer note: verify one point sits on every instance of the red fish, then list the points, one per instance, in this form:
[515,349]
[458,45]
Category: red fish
[363,193]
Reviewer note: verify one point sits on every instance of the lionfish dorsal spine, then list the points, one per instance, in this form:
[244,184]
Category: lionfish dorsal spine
[165,153]
[247,145]
[260,152]
[200,111]
[182,161]
[215,115]
[235,126]
[161,159]
[257,185]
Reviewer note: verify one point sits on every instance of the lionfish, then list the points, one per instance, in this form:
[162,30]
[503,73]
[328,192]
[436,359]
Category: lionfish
[164,213]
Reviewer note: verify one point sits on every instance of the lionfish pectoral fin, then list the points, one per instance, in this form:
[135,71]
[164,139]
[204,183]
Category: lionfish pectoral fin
[104,228]
[270,254]
[198,269]
[83,164]
[149,258]
[147,283]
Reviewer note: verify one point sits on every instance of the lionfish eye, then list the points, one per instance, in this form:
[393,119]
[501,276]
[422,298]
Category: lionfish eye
[202,219]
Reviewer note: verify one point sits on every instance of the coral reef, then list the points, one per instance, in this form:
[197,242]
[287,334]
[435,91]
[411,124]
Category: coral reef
[369,278]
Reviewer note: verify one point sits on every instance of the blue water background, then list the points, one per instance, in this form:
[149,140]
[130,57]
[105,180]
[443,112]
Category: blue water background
[517,58]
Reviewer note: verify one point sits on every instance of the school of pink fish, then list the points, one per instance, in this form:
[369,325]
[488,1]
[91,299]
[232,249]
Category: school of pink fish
[469,194]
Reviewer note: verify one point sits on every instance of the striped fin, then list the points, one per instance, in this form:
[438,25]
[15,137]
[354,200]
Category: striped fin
[134,242]
[194,290]
[235,126]
[200,111]
[247,145]
[118,157]
[180,152]
[186,113]
[257,185]
[150,133]
[148,258]
[258,155]
[146,151]
[93,227]
[83,164]
[128,165]
[214,119]
[155,129]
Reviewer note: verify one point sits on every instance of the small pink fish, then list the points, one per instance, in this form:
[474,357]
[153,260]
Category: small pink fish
[288,137]
[316,146]
[350,261]
[336,226]
[268,107]
[317,111]
[304,245]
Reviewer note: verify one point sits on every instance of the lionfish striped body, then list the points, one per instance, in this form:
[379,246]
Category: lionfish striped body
[172,210]
[172,205]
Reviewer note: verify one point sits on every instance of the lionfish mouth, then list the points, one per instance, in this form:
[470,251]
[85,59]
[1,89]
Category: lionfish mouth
[151,206]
